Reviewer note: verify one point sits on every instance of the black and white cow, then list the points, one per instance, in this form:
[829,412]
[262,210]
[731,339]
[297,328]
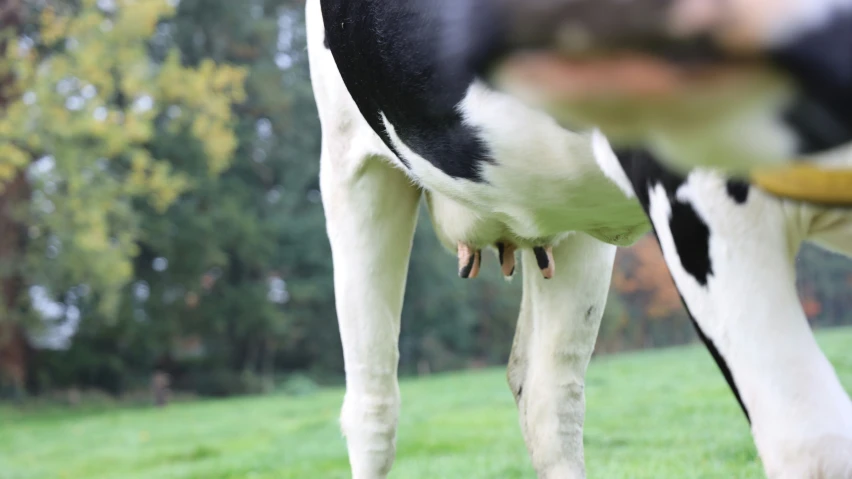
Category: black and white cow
[405,113]
[733,84]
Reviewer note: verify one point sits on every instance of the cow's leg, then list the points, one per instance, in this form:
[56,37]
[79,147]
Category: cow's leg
[371,210]
[731,250]
[556,334]
[370,213]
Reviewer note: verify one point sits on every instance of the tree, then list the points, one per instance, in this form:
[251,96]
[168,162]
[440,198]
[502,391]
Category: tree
[652,314]
[13,347]
[237,267]
[84,102]
[246,278]
[231,278]
[823,281]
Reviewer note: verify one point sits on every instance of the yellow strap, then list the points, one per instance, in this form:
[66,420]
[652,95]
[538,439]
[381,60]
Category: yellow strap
[807,183]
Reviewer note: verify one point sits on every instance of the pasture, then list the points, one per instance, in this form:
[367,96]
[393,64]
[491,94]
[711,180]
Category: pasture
[659,414]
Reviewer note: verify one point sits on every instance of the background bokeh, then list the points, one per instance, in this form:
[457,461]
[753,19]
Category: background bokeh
[160,217]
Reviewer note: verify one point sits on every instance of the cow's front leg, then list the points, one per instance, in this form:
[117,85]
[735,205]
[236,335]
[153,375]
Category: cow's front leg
[730,249]
[556,333]
[371,211]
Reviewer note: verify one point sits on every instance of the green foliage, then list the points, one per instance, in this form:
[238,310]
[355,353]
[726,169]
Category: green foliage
[826,279]
[175,207]
[206,265]
[89,102]
[680,422]
[236,241]
[299,385]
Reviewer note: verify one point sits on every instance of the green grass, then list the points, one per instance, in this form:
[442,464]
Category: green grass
[662,414]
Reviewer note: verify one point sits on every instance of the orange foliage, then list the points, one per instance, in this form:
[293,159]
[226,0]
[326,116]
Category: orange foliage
[642,271]
[812,306]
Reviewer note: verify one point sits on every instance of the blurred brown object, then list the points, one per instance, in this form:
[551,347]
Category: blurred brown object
[14,345]
[160,382]
[191,300]
[581,26]
[643,275]
[592,26]
[73,396]
[14,351]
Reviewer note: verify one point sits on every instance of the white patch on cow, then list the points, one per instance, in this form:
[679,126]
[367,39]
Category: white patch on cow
[454,222]
[801,415]
[544,181]
[609,164]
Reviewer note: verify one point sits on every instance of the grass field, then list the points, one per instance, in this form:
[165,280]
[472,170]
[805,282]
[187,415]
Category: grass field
[662,414]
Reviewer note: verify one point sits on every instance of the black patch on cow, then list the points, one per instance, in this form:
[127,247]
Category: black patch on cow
[643,169]
[520,391]
[397,58]
[821,62]
[692,240]
[589,312]
[737,190]
[690,234]
[541,257]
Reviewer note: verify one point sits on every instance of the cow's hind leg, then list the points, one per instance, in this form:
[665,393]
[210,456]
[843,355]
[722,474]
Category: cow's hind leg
[730,249]
[556,334]
[370,213]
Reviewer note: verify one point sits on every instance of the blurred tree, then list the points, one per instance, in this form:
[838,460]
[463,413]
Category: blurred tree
[234,278]
[653,314]
[266,231]
[643,272]
[239,267]
[13,343]
[232,283]
[83,103]
[825,286]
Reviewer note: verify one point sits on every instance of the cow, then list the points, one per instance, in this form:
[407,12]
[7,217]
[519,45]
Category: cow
[406,113]
[733,84]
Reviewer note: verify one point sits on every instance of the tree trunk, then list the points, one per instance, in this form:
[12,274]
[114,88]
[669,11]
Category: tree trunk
[13,341]
[14,349]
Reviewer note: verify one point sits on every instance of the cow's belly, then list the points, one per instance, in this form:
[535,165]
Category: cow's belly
[542,182]
[493,168]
